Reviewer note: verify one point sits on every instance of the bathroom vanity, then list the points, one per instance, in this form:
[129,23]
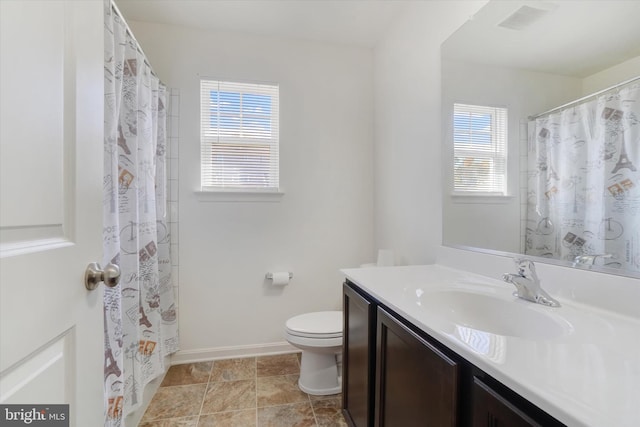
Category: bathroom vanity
[429,345]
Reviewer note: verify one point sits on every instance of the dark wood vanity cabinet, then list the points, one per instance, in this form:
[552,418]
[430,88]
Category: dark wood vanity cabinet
[490,409]
[395,375]
[358,360]
[495,405]
[416,384]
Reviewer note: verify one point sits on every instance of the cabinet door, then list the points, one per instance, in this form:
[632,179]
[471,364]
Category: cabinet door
[416,384]
[358,359]
[490,409]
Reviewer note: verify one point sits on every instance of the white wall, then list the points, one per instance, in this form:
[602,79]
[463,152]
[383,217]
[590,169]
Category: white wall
[407,128]
[323,222]
[495,223]
[611,76]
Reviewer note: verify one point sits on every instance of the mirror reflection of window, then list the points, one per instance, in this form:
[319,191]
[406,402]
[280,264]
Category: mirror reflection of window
[480,150]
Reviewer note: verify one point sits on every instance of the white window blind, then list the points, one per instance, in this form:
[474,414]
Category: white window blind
[480,149]
[239,136]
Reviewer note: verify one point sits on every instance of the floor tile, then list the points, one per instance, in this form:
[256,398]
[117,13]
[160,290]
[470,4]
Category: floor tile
[327,396]
[328,412]
[279,390]
[172,422]
[245,392]
[234,369]
[175,402]
[189,373]
[296,415]
[229,396]
[280,364]
[246,418]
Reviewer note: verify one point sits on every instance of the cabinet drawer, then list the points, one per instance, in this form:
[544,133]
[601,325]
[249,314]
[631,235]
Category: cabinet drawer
[490,409]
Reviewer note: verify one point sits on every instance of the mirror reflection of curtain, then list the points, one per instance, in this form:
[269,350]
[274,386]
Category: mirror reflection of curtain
[584,181]
[140,324]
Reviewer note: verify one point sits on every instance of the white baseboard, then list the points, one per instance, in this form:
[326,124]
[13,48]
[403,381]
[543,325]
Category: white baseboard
[217,353]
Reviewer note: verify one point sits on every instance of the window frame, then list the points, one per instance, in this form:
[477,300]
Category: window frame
[210,136]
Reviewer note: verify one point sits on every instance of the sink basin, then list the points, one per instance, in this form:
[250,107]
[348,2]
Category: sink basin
[494,313]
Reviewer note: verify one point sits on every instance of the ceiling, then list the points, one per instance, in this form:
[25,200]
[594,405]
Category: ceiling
[575,38]
[354,22]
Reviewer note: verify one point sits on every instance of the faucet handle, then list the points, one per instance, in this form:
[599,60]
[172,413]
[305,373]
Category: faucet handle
[526,268]
[527,283]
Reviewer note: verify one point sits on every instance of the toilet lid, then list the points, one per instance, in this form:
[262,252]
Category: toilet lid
[322,324]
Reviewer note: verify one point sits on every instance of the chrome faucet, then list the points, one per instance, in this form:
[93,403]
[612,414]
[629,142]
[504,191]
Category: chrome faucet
[528,285]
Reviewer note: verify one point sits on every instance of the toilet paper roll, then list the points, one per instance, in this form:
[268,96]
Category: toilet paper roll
[280,278]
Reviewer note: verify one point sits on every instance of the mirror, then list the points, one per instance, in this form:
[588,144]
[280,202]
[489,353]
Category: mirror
[532,57]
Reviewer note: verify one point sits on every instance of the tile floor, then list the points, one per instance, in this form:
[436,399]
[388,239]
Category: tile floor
[255,391]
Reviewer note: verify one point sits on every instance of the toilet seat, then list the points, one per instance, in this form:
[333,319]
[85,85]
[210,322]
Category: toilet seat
[318,325]
[313,336]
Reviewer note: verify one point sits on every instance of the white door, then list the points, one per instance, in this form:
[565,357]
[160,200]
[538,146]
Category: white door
[51,125]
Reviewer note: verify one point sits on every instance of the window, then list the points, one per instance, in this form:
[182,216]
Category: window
[239,136]
[479,150]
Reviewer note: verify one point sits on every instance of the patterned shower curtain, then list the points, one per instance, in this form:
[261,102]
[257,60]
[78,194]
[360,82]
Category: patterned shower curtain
[584,181]
[140,325]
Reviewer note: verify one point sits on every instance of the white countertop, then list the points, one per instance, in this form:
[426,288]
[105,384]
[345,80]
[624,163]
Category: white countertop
[587,376]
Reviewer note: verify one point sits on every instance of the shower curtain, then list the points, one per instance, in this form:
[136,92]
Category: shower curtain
[140,325]
[584,181]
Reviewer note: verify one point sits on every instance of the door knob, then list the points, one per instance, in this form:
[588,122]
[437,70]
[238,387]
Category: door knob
[94,274]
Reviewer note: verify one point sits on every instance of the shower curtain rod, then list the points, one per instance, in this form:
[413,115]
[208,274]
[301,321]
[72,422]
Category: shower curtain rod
[584,98]
[115,9]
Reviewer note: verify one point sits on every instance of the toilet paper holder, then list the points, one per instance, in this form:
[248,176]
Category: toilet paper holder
[269,276]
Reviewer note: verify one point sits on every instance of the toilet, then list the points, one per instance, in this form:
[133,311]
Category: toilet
[319,336]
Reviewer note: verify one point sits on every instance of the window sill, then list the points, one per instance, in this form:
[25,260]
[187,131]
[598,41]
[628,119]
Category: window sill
[469,198]
[239,196]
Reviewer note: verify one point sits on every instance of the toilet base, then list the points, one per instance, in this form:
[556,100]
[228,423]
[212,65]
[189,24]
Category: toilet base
[323,392]
[319,374]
